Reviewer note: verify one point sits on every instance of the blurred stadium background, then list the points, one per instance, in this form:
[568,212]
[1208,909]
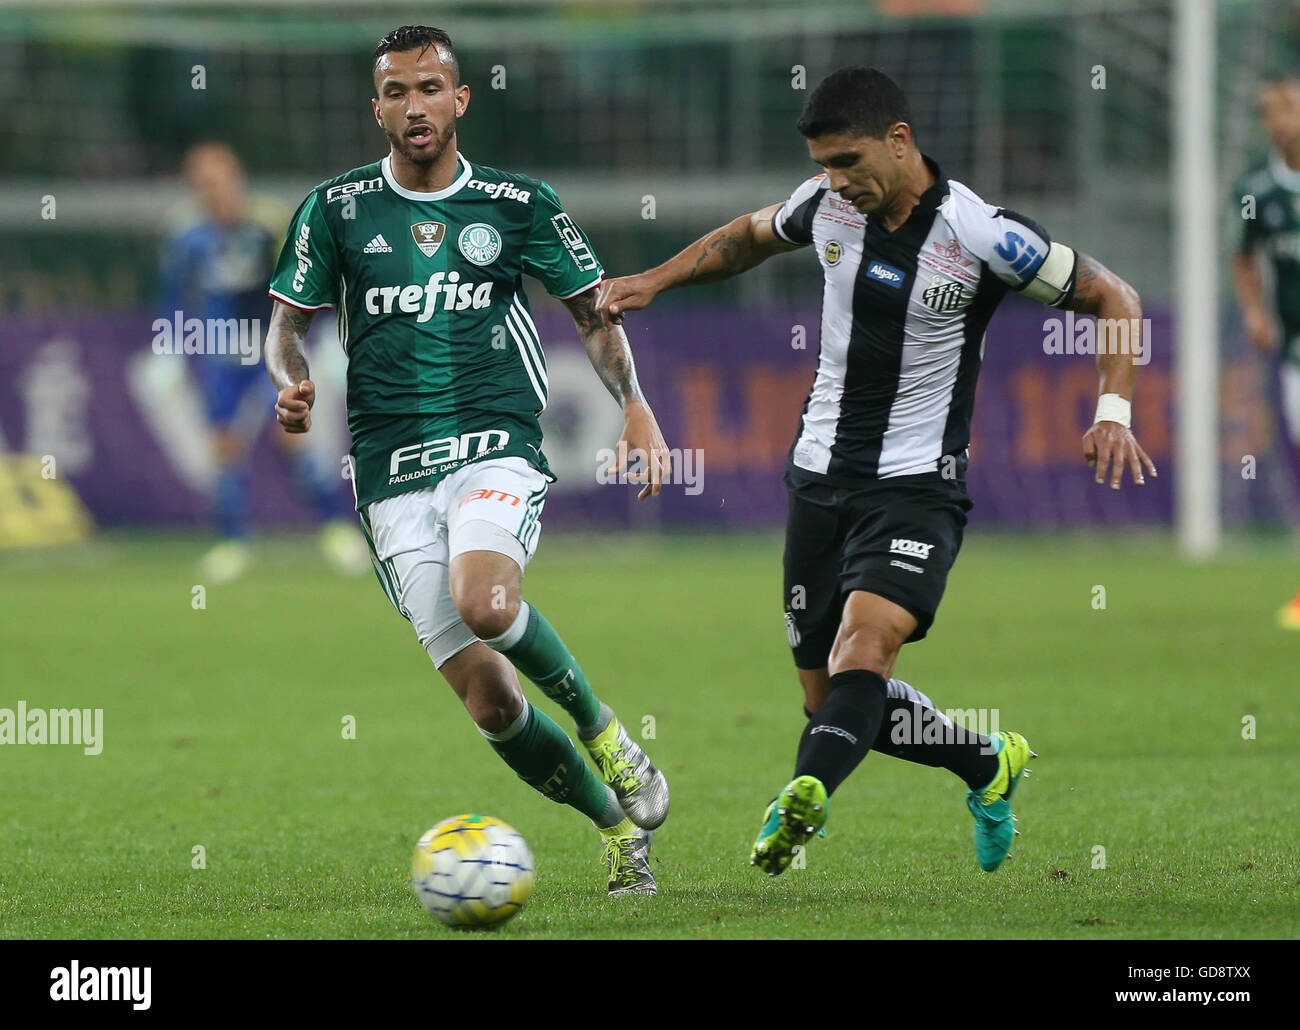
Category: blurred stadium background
[675,109]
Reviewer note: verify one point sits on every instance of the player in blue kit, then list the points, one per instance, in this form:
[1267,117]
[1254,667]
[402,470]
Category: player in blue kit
[216,268]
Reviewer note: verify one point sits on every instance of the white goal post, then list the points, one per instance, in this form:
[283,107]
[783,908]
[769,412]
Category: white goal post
[1196,280]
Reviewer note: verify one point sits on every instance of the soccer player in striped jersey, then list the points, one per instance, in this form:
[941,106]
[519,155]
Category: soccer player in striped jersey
[423,255]
[914,265]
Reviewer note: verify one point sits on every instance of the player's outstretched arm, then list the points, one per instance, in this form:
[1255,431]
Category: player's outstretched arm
[286,360]
[611,357]
[734,248]
[1110,444]
[1250,298]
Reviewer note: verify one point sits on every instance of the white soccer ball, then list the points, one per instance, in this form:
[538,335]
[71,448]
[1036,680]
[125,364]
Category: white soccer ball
[472,870]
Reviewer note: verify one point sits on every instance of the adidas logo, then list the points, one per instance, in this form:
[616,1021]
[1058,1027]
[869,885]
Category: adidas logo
[378,245]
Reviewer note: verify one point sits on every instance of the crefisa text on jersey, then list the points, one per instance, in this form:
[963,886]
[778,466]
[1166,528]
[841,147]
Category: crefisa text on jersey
[458,296]
[508,190]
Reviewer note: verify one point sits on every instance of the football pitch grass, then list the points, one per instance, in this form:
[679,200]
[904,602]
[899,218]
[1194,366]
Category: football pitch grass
[1147,815]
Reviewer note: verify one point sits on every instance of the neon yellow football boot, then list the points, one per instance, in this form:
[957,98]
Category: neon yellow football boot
[794,818]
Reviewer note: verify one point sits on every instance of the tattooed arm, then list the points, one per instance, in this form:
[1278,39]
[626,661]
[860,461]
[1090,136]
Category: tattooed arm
[611,357]
[1099,291]
[734,248]
[286,361]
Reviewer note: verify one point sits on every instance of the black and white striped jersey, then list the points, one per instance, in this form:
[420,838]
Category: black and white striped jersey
[902,325]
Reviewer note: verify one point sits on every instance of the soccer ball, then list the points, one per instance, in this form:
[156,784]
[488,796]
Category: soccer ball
[472,870]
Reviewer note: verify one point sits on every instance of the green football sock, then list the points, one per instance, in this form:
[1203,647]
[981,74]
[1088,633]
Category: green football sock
[537,651]
[545,758]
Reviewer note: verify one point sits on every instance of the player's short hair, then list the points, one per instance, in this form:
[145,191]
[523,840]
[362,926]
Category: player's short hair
[419,37]
[857,100]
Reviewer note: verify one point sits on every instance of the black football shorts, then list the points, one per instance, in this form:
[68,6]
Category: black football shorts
[893,537]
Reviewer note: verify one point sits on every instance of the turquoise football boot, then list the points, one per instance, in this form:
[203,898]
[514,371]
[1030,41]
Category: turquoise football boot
[991,807]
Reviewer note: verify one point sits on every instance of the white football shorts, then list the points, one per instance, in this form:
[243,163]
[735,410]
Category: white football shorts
[488,505]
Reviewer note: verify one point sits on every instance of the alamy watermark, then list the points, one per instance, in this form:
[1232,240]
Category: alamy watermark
[686,467]
[80,726]
[1092,336]
[918,724]
[225,337]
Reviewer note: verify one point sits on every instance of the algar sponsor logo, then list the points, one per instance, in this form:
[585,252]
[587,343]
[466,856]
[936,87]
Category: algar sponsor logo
[887,274]
[443,292]
[445,451]
[508,190]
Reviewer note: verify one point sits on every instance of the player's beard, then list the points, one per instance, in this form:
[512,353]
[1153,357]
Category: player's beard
[422,155]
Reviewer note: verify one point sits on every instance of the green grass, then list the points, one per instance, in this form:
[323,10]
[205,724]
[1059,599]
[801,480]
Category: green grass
[223,729]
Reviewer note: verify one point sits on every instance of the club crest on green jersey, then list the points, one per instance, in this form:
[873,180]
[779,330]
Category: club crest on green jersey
[428,236]
[480,243]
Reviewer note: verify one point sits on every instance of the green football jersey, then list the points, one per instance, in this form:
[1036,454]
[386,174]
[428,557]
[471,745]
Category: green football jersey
[1275,231]
[444,363]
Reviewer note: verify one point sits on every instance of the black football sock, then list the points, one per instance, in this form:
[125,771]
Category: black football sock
[842,730]
[908,732]
[915,731]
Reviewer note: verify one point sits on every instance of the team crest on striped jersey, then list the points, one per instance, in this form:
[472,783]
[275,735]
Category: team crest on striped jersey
[833,252]
[428,236]
[943,295]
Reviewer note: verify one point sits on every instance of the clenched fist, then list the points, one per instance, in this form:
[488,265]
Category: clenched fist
[293,407]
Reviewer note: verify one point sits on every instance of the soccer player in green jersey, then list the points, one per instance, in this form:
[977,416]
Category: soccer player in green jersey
[1273,233]
[422,254]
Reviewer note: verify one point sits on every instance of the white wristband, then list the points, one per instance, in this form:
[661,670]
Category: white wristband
[1111,407]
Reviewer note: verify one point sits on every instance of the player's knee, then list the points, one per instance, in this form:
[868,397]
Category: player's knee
[866,645]
[488,610]
[494,706]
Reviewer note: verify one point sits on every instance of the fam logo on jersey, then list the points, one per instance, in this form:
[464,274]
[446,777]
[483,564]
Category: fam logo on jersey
[571,236]
[833,252]
[352,189]
[887,274]
[428,236]
[943,294]
[490,495]
[480,243]
[440,454]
